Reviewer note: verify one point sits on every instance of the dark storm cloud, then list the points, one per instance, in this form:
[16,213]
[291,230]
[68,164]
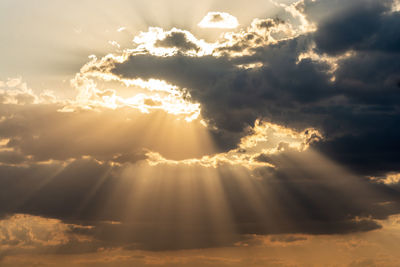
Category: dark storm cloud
[369,79]
[371,153]
[356,25]
[353,28]
[233,98]
[362,101]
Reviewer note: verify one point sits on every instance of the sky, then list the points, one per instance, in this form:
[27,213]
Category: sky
[212,133]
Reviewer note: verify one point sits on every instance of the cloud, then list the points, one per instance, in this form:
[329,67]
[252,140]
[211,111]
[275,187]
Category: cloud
[298,191]
[62,135]
[287,239]
[158,41]
[279,100]
[313,78]
[226,91]
[221,20]
[178,40]
[25,234]
[363,26]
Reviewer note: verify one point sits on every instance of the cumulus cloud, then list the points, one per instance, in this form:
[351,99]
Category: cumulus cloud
[371,28]
[177,39]
[158,41]
[221,20]
[300,81]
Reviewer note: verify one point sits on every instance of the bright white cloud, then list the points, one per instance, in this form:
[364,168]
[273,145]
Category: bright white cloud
[221,20]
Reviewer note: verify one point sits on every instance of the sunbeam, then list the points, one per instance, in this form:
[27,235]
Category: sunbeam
[214,133]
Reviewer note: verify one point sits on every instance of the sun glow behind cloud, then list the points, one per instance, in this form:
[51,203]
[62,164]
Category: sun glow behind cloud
[157,95]
[217,145]
[161,43]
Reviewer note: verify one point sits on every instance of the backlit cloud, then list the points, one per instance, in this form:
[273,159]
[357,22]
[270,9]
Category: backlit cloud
[220,20]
